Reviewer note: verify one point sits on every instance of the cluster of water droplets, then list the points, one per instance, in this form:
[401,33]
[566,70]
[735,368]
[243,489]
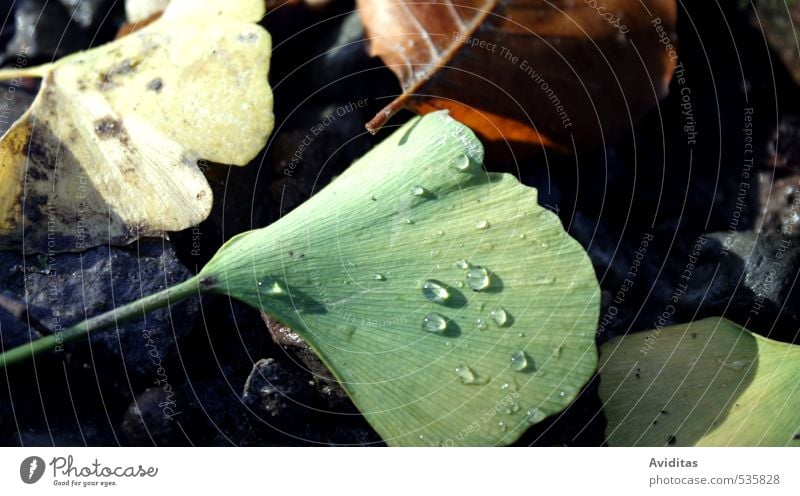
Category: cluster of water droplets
[478,279]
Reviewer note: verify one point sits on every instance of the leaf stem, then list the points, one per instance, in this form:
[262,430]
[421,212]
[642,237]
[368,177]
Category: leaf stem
[130,311]
[39,71]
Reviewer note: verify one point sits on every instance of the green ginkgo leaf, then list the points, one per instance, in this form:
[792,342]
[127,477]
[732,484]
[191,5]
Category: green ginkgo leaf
[452,308]
[706,383]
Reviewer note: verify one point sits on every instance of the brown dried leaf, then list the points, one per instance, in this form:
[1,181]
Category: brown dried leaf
[531,71]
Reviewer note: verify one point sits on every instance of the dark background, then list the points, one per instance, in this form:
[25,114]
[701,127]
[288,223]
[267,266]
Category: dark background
[236,383]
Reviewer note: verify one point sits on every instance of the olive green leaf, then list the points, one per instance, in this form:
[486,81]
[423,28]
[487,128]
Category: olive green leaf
[452,308]
[706,383]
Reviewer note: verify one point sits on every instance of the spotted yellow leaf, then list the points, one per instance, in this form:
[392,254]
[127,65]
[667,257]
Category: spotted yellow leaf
[109,149]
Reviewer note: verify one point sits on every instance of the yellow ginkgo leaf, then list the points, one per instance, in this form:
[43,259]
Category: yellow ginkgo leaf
[109,149]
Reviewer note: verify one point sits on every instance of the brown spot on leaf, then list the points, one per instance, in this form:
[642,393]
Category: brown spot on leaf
[247,37]
[35,173]
[155,85]
[109,79]
[108,127]
[42,148]
[35,207]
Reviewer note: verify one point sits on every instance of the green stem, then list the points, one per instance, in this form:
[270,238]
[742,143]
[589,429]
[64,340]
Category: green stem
[137,309]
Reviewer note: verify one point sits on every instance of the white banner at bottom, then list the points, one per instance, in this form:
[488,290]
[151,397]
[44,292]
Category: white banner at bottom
[354,471]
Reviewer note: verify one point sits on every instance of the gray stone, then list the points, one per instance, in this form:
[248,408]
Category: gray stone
[750,278]
[63,289]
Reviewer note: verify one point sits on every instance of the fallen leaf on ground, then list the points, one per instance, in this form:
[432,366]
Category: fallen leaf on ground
[109,149]
[452,308]
[528,71]
[707,383]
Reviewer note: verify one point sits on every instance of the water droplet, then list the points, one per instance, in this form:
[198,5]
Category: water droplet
[461,163]
[559,350]
[505,387]
[502,426]
[534,416]
[499,316]
[481,324]
[520,334]
[519,361]
[521,236]
[408,221]
[440,232]
[477,278]
[270,286]
[481,224]
[514,407]
[462,264]
[562,394]
[433,322]
[466,374]
[379,277]
[417,191]
[458,284]
[433,291]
